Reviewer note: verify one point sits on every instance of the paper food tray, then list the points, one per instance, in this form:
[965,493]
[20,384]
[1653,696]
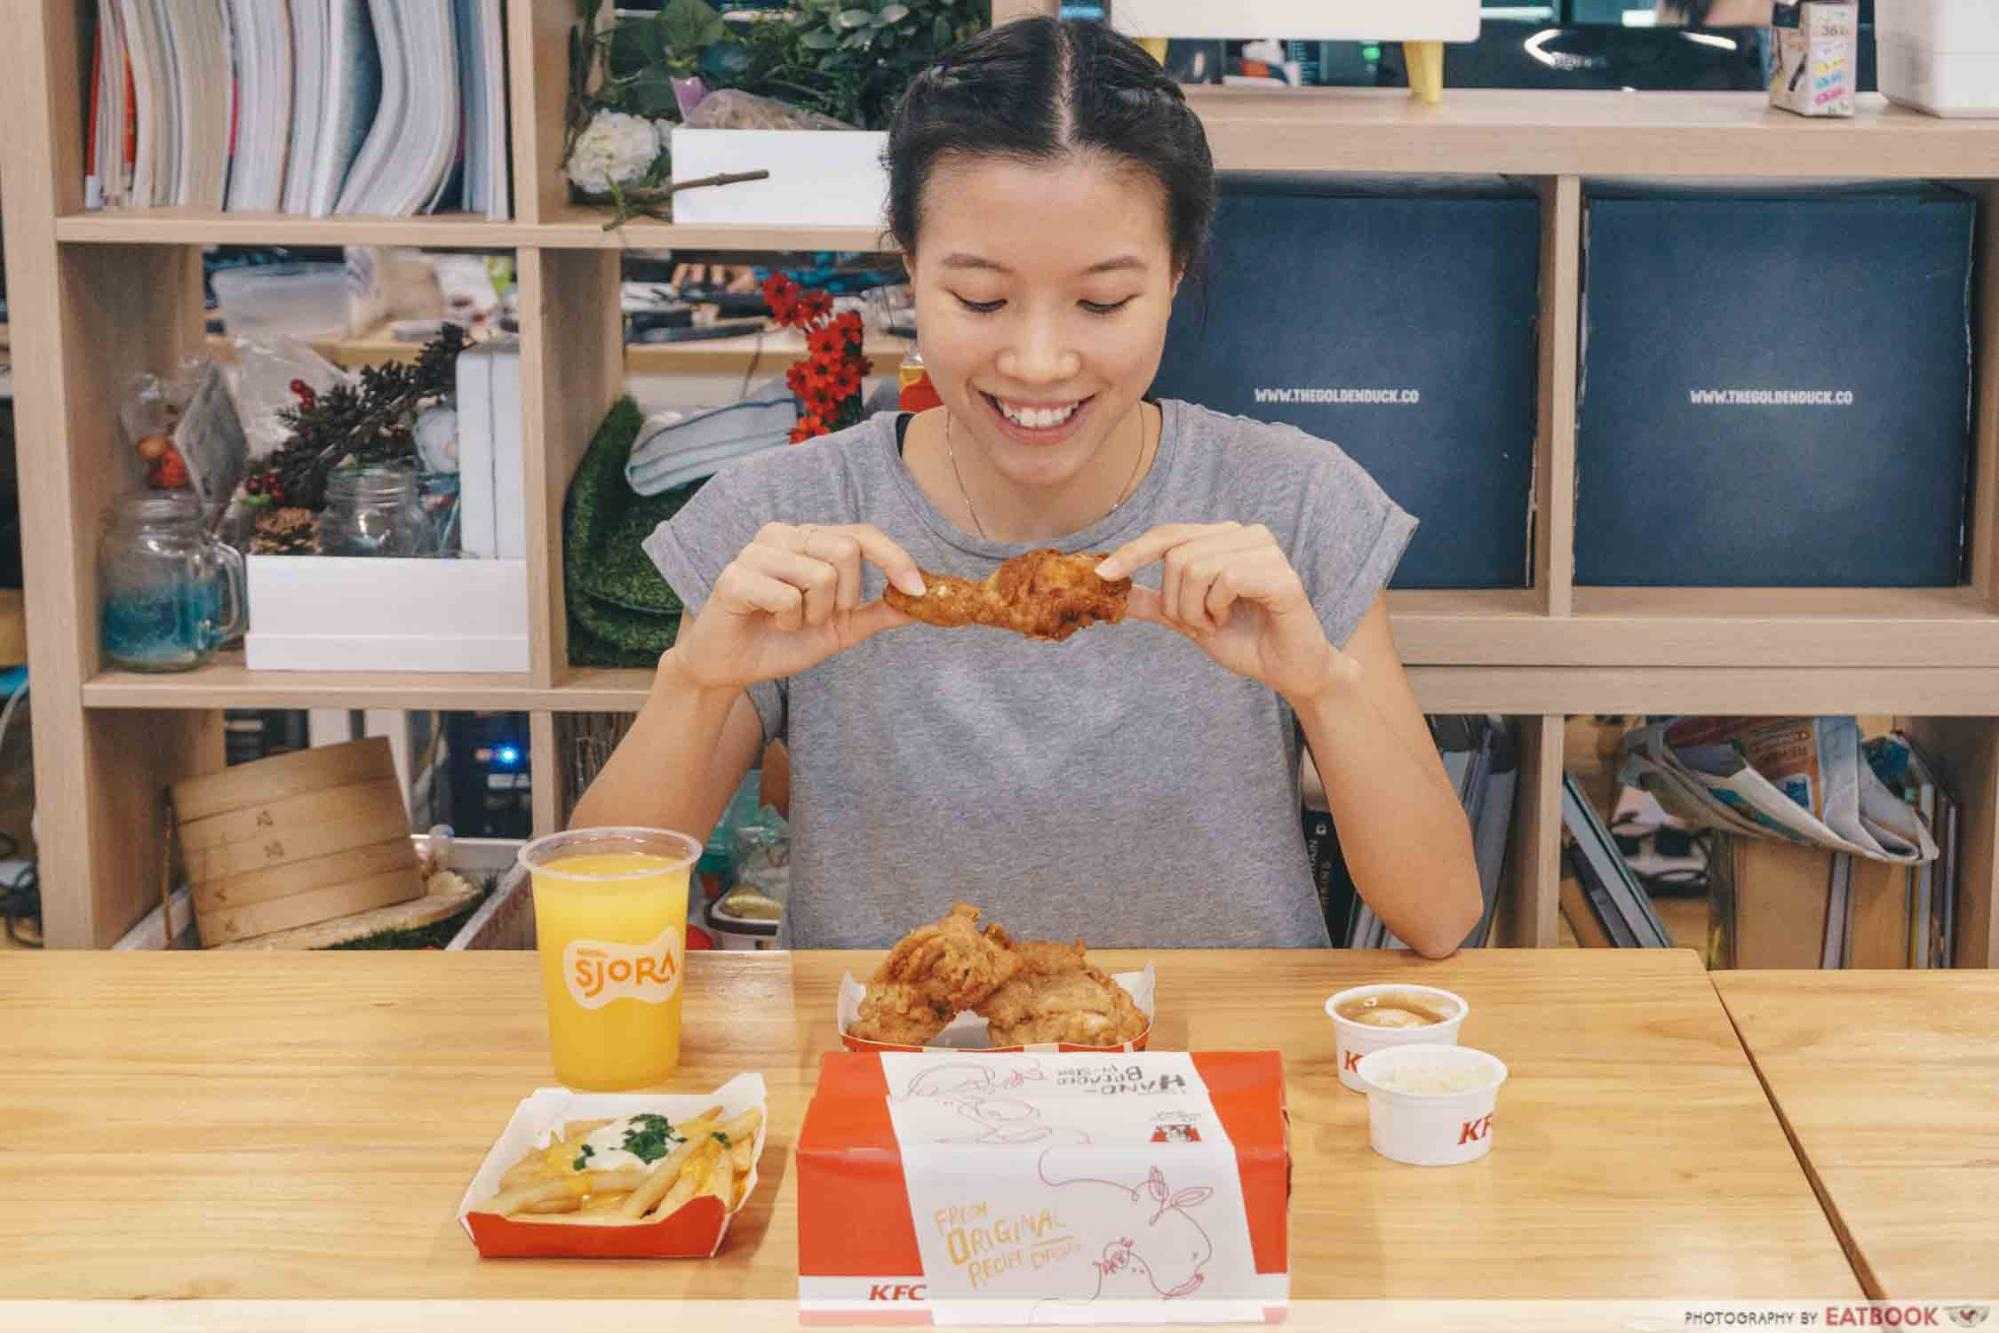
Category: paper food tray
[967,1032]
[695,1231]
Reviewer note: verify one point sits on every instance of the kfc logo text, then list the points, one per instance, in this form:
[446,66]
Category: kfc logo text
[1474,1130]
[895,1291]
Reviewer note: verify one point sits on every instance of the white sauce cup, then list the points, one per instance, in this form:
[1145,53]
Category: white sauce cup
[1431,1105]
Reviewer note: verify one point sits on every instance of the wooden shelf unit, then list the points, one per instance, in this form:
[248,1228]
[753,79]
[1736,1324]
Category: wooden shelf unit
[108,294]
[1523,132]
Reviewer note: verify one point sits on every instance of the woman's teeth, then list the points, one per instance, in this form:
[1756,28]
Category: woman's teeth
[1038,418]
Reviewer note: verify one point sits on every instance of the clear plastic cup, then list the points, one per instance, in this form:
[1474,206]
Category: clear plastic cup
[1353,1041]
[1431,1105]
[610,916]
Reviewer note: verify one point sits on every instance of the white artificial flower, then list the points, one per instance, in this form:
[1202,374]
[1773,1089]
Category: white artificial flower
[614,149]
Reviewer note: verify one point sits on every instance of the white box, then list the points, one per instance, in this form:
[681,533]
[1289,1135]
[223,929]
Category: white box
[818,178]
[1305,20]
[477,531]
[509,456]
[334,613]
[1940,56]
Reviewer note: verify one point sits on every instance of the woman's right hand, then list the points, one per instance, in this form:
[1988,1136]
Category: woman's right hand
[790,600]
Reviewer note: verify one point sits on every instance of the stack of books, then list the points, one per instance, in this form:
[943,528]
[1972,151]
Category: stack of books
[390,107]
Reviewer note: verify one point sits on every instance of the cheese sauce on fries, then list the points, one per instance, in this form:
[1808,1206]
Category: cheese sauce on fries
[637,1168]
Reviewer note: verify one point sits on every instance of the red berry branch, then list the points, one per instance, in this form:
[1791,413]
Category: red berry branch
[827,382]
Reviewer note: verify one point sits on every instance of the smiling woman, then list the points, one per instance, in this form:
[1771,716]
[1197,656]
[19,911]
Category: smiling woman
[1135,784]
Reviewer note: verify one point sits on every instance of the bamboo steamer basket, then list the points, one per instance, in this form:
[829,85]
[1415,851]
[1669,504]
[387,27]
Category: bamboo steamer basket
[295,840]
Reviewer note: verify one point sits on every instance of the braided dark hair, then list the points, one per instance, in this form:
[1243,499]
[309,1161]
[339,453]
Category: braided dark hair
[1038,89]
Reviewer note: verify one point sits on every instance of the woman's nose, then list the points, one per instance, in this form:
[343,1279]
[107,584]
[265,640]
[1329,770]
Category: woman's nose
[1039,355]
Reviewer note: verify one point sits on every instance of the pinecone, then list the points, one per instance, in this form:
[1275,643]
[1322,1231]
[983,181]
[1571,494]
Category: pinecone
[285,532]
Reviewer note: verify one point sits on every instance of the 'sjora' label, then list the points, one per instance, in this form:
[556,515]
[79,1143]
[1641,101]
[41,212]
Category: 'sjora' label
[599,973]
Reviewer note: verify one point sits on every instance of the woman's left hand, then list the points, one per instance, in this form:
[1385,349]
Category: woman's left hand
[1231,590]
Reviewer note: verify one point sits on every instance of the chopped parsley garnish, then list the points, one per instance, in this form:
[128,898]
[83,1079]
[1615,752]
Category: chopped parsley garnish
[720,1138]
[649,1137]
[584,1155]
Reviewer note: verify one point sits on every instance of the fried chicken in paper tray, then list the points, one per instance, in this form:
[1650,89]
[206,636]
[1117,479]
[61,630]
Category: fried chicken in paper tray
[1043,594]
[954,983]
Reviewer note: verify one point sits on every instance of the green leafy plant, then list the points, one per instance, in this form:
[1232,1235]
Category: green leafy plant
[852,59]
[849,59]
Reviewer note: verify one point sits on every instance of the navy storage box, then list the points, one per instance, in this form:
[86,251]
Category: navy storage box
[1775,390]
[1397,320]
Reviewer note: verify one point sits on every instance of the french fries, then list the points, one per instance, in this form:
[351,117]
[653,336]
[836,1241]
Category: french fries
[667,1170]
[709,1157]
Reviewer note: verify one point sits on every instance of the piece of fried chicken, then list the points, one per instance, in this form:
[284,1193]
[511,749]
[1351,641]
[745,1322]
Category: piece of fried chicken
[951,960]
[1043,594]
[933,972]
[901,1015]
[1058,995]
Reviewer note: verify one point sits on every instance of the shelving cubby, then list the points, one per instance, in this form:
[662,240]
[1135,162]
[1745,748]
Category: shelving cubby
[97,296]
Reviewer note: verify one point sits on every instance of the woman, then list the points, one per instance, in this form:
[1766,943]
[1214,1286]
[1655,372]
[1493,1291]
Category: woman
[1138,783]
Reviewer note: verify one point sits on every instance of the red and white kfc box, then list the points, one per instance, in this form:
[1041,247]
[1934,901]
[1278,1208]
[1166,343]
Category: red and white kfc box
[1046,1187]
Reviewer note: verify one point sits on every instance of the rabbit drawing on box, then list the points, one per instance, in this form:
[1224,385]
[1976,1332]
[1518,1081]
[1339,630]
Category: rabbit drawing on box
[977,1090]
[1154,1247]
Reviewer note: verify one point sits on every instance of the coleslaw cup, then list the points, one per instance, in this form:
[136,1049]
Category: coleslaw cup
[1430,1105]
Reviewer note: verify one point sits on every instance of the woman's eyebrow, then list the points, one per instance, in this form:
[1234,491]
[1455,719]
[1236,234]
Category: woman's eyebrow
[1119,263]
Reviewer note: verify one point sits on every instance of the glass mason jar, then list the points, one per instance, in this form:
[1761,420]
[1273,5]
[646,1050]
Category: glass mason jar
[373,509]
[169,593]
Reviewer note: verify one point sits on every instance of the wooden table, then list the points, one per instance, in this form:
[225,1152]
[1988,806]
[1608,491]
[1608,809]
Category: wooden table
[302,1125]
[1889,1084]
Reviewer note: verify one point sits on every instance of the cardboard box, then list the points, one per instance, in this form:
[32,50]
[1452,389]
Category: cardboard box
[1817,48]
[1396,319]
[338,613]
[967,1032]
[1048,1188]
[696,1231]
[1776,388]
[1940,56]
[818,178]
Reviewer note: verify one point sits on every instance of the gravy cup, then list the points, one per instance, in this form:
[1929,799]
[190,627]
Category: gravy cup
[1354,1041]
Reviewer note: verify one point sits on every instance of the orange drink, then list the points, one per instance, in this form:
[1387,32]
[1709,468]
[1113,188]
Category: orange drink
[610,918]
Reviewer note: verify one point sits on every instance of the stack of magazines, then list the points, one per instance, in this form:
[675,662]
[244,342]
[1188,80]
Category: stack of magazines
[388,107]
[1837,851]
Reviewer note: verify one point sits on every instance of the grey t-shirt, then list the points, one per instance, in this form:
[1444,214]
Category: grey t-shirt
[1119,787]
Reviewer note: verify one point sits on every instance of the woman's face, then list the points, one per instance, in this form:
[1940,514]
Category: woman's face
[1042,295]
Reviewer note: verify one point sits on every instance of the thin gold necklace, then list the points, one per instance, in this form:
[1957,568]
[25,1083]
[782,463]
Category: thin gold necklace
[1130,485]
